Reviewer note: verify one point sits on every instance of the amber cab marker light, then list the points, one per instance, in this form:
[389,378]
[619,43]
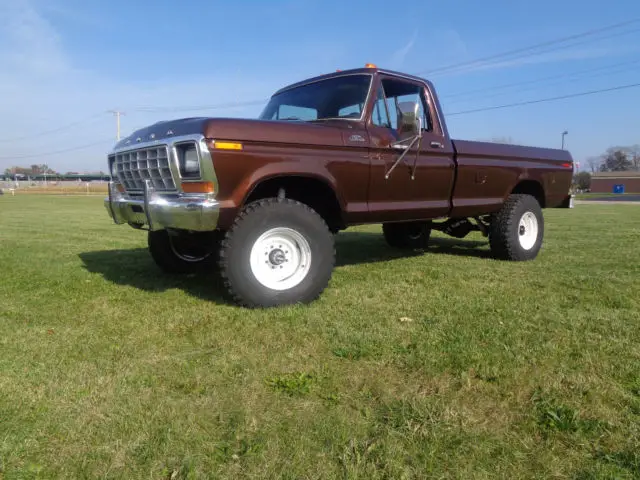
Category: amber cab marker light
[369,65]
[197,187]
[228,145]
[120,188]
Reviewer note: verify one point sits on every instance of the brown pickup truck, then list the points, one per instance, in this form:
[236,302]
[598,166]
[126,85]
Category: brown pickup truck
[259,200]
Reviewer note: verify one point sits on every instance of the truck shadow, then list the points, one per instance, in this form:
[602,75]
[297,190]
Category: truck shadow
[135,267]
[354,248]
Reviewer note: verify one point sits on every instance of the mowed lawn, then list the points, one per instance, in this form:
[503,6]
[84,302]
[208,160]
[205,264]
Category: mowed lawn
[443,364]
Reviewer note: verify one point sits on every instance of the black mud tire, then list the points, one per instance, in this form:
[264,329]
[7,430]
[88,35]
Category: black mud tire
[174,256]
[407,235]
[505,232]
[242,285]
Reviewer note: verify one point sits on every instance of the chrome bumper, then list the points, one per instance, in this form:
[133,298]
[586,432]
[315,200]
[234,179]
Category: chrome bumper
[158,212]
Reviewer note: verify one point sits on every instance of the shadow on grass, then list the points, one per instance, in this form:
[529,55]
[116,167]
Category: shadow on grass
[355,248]
[135,267]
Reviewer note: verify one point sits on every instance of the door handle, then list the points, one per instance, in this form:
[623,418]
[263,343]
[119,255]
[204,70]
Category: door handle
[436,145]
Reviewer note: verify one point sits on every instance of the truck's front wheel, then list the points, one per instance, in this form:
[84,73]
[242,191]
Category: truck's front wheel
[184,252]
[277,252]
[517,229]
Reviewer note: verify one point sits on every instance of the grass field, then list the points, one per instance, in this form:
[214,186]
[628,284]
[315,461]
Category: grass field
[445,364]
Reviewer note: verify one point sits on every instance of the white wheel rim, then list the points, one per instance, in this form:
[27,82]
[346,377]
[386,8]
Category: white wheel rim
[528,230]
[280,259]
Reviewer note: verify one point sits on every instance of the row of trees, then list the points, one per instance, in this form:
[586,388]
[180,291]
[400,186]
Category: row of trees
[29,171]
[616,159]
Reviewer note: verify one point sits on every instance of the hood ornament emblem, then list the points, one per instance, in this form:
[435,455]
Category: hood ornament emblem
[138,139]
[152,136]
[170,132]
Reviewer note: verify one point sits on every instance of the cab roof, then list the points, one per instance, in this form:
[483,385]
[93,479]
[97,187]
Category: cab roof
[354,71]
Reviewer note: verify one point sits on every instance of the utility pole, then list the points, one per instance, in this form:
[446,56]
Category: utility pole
[563,135]
[117,114]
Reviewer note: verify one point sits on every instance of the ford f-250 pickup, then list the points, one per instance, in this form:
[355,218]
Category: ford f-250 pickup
[259,200]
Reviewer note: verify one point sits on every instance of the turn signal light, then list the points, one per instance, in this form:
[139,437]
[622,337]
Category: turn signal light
[227,145]
[197,187]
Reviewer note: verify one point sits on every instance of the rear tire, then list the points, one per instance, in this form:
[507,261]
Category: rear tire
[517,230]
[184,252]
[277,252]
[407,235]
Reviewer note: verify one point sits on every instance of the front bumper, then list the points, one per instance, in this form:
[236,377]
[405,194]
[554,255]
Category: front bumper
[198,212]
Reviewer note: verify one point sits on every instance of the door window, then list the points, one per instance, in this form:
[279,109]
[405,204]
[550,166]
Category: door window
[380,115]
[398,91]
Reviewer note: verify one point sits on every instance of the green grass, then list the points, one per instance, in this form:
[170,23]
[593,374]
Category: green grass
[445,364]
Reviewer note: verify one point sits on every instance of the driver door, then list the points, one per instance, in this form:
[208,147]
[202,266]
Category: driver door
[420,185]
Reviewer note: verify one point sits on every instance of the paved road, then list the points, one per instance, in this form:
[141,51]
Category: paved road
[621,198]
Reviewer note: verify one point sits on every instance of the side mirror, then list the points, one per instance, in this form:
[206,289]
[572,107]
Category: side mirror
[409,120]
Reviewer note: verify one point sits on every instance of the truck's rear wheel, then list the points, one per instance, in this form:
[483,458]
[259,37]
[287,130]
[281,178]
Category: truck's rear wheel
[277,252]
[407,235]
[184,252]
[517,230]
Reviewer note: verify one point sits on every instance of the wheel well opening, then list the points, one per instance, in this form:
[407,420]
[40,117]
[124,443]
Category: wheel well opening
[533,188]
[310,191]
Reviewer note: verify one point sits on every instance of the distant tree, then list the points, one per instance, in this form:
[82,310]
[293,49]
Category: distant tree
[582,180]
[634,156]
[30,171]
[616,160]
[594,163]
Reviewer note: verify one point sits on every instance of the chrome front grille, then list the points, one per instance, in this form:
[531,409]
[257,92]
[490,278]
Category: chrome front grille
[134,167]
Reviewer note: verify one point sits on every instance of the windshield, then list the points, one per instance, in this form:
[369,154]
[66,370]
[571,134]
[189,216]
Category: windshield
[340,97]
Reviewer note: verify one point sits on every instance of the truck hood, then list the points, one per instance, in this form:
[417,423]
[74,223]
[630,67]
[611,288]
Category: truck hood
[327,133]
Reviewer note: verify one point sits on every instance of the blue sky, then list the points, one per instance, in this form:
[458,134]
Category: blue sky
[69,61]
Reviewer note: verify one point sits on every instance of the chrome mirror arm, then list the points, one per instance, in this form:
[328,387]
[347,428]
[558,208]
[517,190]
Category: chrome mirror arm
[404,153]
[400,145]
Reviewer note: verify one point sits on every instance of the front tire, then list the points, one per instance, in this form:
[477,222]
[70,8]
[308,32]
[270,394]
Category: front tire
[277,252]
[517,230]
[407,235]
[185,252]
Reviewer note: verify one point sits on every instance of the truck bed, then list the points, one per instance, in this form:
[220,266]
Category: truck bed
[485,172]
